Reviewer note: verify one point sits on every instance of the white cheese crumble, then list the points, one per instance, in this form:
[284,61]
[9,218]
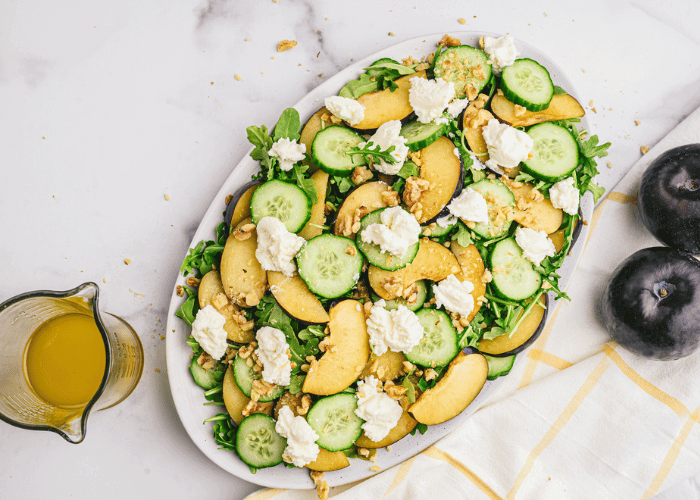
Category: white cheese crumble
[454,295]
[470,206]
[376,408]
[398,329]
[429,98]
[287,152]
[277,246]
[348,110]
[456,107]
[477,163]
[565,196]
[208,331]
[507,146]
[397,231]
[387,135]
[501,51]
[301,438]
[272,353]
[535,244]
[446,221]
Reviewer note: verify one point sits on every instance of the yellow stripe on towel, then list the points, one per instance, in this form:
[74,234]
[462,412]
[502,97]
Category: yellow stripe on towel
[549,359]
[438,454]
[266,494]
[559,424]
[401,474]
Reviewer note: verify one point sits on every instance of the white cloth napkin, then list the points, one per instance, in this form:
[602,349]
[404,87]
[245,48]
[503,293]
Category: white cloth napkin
[580,417]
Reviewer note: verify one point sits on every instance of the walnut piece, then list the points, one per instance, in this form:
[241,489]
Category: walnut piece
[286,45]
[360,174]
[449,41]
[244,232]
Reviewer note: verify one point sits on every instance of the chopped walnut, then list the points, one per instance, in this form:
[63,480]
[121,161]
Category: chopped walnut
[255,407]
[429,374]
[244,232]
[325,344]
[449,41]
[393,285]
[263,388]
[322,490]
[350,250]
[245,351]
[414,156]
[286,45]
[228,199]
[415,187]
[472,92]
[345,225]
[192,281]
[478,72]
[395,391]
[644,150]
[390,197]
[363,452]
[252,299]
[409,61]
[408,366]
[519,110]
[416,210]
[487,277]
[482,44]
[180,291]
[361,174]
[375,468]
[206,361]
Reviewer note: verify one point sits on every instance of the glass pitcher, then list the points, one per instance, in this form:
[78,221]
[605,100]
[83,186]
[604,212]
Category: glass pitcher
[20,403]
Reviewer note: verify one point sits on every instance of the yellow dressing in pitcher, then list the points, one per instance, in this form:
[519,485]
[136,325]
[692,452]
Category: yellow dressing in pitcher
[64,360]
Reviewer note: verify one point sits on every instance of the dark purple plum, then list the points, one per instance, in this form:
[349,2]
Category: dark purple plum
[669,198]
[651,306]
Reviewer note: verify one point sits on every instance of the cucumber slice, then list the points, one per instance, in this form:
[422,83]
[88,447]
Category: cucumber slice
[376,256]
[334,420]
[457,65]
[439,344]
[555,152]
[421,297]
[500,202]
[421,135]
[244,376]
[282,200]
[327,267]
[438,231]
[499,367]
[257,441]
[207,379]
[330,150]
[527,83]
[514,277]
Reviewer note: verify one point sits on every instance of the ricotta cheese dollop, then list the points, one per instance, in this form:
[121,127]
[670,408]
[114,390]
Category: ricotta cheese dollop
[398,329]
[376,408]
[535,244]
[397,231]
[277,247]
[429,98]
[470,206]
[272,353]
[564,195]
[387,135]
[507,146]
[348,110]
[501,51]
[301,438]
[208,331]
[287,152]
[454,295]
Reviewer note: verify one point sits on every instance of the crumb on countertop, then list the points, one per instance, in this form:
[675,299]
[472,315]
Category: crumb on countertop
[644,150]
[461,20]
[127,261]
[286,45]
[167,198]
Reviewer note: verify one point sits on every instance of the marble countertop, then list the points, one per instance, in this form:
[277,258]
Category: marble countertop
[119,121]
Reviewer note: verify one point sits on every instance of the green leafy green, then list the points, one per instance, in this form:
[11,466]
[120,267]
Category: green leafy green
[188,310]
[463,235]
[379,76]
[344,183]
[370,150]
[205,255]
[409,169]
[288,125]
[224,431]
[559,91]
[422,428]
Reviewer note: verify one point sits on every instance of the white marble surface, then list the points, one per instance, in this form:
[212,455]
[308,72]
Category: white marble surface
[107,107]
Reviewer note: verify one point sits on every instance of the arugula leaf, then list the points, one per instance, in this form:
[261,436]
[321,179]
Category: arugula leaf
[559,91]
[462,236]
[305,183]
[379,76]
[344,183]
[205,255]
[422,428]
[311,332]
[296,382]
[224,431]
[188,310]
[288,125]
[374,152]
[409,169]
[493,333]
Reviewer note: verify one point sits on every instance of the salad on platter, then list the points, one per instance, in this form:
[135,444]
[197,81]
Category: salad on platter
[389,256]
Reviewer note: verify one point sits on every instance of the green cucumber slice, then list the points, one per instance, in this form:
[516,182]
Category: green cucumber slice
[499,367]
[500,202]
[244,376]
[514,277]
[421,297]
[439,344]
[327,267]
[527,83]
[207,379]
[457,65]
[282,200]
[421,135]
[257,441]
[554,154]
[333,419]
[377,257]
[330,148]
